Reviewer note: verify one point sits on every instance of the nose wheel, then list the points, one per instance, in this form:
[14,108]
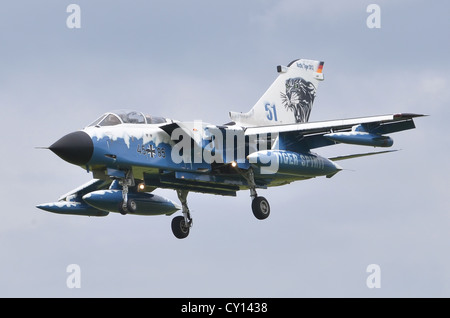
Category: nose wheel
[127,205]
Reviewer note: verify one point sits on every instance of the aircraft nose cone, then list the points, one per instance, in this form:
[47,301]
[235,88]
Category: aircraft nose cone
[76,148]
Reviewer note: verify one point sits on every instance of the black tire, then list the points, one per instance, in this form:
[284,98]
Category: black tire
[179,227]
[131,206]
[260,208]
[121,209]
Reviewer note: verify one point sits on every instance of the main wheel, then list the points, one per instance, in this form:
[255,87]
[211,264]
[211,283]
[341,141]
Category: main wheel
[179,227]
[260,208]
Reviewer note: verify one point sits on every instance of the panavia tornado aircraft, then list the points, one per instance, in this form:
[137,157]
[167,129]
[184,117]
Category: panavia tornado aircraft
[131,154]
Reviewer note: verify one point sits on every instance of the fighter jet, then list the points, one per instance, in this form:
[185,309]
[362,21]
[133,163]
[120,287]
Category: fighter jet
[131,154]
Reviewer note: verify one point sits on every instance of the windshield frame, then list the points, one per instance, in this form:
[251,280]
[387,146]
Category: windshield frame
[126,116]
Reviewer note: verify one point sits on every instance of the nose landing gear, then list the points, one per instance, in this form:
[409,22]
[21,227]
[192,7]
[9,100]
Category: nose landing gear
[127,206]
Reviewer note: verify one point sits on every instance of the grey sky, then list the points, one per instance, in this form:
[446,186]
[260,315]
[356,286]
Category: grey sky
[192,60]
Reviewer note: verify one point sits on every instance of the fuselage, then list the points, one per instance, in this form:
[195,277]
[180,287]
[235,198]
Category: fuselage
[191,153]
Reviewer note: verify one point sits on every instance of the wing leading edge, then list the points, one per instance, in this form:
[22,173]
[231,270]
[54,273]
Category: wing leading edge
[317,134]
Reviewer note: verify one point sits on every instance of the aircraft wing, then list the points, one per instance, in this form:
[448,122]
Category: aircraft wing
[72,202]
[312,134]
[93,185]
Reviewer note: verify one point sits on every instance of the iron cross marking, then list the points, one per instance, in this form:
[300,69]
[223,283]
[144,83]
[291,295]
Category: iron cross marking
[151,150]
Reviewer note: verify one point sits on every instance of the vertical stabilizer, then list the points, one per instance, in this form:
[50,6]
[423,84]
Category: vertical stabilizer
[289,99]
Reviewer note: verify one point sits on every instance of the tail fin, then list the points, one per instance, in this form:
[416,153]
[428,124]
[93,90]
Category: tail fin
[289,99]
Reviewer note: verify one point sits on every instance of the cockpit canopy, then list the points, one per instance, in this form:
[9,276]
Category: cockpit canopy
[125,116]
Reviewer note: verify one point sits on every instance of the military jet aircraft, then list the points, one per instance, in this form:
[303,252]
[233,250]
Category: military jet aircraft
[130,154]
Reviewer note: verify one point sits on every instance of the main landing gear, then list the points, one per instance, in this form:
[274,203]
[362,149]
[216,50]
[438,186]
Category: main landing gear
[260,205]
[182,224]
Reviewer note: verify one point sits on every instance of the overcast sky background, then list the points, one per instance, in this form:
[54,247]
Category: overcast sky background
[190,60]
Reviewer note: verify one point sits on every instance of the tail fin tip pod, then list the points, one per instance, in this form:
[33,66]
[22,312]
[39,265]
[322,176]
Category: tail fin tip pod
[289,99]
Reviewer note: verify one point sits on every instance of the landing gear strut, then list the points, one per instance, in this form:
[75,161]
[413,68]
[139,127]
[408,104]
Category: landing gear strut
[260,205]
[182,224]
